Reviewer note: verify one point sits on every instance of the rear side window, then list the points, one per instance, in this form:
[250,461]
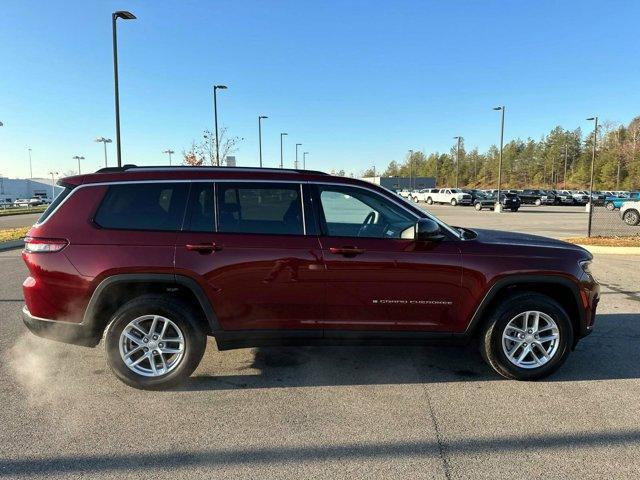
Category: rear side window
[269,208]
[143,206]
[53,205]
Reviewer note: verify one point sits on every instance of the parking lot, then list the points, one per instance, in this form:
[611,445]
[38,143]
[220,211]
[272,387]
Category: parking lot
[325,412]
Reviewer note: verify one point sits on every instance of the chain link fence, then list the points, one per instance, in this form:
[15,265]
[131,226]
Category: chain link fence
[609,223]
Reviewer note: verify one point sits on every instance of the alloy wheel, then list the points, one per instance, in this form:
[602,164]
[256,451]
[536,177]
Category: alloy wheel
[631,217]
[151,345]
[530,339]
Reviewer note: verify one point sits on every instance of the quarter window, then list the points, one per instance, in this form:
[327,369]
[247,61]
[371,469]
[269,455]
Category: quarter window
[268,208]
[143,206]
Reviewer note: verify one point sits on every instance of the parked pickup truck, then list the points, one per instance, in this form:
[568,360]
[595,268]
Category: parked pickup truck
[535,197]
[453,196]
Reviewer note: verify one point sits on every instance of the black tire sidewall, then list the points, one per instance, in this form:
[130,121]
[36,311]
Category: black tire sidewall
[177,312]
[503,316]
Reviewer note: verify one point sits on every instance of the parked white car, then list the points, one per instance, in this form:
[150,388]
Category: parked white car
[630,212]
[27,202]
[453,196]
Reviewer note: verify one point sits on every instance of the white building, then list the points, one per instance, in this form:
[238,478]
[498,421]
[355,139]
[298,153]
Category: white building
[14,188]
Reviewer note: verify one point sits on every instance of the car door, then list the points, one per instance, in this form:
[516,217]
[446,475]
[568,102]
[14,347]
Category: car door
[378,277]
[253,248]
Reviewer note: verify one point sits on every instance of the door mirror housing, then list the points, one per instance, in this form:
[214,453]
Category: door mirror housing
[428,230]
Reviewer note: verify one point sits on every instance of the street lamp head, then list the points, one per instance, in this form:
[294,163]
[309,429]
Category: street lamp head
[219,87]
[498,108]
[262,116]
[123,14]
[1,124]
[298,144]
[284,133]
[169,151]
[306,153]
[457,138]
[591,118]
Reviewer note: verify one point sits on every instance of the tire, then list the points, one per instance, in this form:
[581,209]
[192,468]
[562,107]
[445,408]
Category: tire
[610,206]
[491,339]
[415,199]
[478,206]
[454,202]
[514,209]
[429,201]
[538,202]
[631,217]
[149,306]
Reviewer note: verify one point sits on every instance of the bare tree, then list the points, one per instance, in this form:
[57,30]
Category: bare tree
[204,152]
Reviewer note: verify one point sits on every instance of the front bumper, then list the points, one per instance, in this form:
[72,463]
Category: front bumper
[67,332]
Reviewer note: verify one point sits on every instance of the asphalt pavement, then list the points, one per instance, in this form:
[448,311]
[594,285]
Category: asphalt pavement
[15,221]
[325,412]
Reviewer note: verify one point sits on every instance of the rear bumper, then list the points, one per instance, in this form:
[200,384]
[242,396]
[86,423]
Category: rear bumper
[67,332]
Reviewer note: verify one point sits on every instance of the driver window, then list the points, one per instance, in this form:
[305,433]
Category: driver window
[355,212]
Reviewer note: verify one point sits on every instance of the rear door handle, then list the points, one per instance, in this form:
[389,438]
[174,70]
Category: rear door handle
[347,251]
[203,247]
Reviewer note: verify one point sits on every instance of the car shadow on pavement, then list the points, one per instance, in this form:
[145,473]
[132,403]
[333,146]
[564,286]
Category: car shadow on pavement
[609,353]
[282,455]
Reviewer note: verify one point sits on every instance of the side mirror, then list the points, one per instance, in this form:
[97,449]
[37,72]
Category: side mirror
[428,231]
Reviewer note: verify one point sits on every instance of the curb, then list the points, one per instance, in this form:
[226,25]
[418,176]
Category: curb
[11,245]
[612,250]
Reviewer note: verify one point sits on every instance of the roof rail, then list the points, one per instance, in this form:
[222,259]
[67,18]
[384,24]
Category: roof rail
[127,167]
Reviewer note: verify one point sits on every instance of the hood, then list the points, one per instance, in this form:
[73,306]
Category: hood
[498,237]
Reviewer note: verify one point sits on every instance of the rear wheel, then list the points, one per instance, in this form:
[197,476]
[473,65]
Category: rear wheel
[514,209]
[454,202]
[478,206]
[154,342]
[527,337]
[538,202]
[631,217]
[429,201]
[415,200]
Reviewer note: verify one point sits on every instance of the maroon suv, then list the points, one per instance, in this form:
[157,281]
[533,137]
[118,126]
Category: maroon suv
[156,259]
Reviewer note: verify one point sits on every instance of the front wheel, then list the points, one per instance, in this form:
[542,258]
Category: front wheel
[429,201]
[415,200]
[514,209]
[154,342]
[610,206]
[631,217]
[527,337]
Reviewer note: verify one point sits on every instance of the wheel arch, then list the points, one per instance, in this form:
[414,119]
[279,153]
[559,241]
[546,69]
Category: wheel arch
[125,287]
[561,289]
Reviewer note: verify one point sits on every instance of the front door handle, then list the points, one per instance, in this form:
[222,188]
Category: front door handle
[346,251]
[203,248]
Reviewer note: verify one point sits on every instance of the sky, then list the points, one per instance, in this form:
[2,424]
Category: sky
[358,83]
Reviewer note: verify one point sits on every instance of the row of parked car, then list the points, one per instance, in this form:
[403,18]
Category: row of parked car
[466,196]
[24,202]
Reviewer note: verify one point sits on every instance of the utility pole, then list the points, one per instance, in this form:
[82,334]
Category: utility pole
[169,152]
[498,207]
[457,160]
[215,116]
[564,178]
[297,145]
[593,162]
[260,118]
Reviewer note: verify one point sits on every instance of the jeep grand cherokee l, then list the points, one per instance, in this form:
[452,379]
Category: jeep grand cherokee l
[155,259]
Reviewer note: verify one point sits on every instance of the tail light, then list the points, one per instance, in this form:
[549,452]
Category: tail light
[44,245]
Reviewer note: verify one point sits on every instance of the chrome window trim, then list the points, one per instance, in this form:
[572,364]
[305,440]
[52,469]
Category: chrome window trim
[227,180]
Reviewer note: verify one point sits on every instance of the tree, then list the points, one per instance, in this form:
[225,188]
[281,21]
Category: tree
[204,152]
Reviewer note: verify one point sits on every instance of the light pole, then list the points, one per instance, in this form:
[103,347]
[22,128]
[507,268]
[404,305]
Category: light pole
[78,158]
[497,206]
[215,116]
[564,178]
[281,151]
[410,169]
[169,152]
[304,160]
[104,141]
[260,118]
[297,145]
[1,178]
[30,165]
[593,162]
[457,160]
[53,185]
[115,16]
